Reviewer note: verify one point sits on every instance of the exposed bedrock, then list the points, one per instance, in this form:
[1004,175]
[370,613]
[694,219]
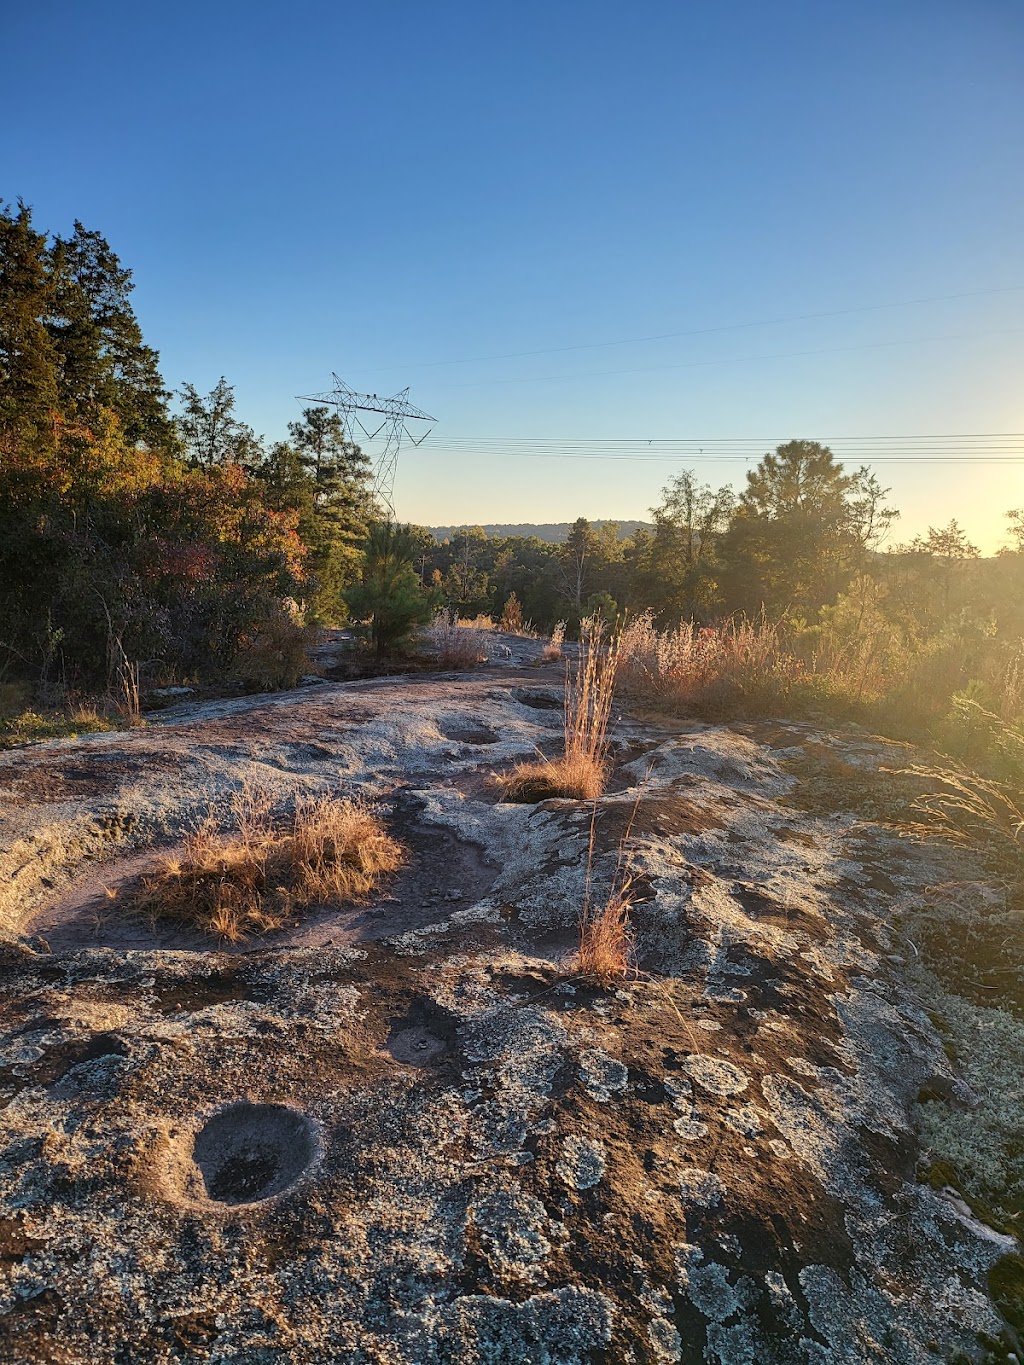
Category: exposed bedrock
[405,1131]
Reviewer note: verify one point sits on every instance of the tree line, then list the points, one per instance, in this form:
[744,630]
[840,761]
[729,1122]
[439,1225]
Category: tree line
[129,531]
[138,524]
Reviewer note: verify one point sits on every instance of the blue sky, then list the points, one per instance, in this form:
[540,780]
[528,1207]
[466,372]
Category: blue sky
[373,189]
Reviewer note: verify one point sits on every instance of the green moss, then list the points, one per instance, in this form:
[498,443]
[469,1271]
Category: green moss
[30,726]
[1006,1285]
[941,1175]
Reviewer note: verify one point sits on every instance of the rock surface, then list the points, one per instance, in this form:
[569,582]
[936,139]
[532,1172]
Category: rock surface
[405,1132]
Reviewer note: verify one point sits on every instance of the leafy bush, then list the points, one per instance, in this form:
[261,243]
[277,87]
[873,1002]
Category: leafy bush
[274,657]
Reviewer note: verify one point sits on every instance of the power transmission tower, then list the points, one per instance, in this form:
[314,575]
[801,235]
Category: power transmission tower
[395,411]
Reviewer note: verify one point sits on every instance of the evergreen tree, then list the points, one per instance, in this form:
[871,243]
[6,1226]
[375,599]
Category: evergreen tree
[103,360]
[802,528]
[211,432]
[388,593]
[675,567]
[28,363]
[337,488]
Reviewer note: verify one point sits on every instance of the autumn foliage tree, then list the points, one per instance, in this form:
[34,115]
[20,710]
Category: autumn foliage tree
[111,543]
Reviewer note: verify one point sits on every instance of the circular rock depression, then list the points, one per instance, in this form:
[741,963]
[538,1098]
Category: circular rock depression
[248,1152]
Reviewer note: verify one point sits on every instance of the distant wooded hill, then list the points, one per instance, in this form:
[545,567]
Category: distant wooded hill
[553,531]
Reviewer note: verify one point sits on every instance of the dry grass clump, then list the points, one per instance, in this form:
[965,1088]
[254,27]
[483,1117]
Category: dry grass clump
[456,643]
[252,878]
[30,726]
[606,939]
[972,810]
[552,651]
[582,769]
[739,668]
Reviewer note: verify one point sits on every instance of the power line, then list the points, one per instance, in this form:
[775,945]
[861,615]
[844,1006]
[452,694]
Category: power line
[725,327]
[732,360]
[980,448]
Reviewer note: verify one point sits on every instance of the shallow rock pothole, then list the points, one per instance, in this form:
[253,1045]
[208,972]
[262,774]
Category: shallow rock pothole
[250,1152]
[425,1034]
[539,699]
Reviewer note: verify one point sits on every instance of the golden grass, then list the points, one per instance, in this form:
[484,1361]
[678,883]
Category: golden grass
[252,879]
[552,651]
[582,769]
[457,644]
[606,939]
[741,667]
[971,810]
[579,777]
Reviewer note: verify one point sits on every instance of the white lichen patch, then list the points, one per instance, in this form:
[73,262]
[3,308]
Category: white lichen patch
[665,1340]
[714,1075]
[746,1119]
[700,1187]
[582,1162]
[513,1230]
[602,1076]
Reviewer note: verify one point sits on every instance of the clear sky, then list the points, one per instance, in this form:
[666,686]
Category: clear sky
[374,189]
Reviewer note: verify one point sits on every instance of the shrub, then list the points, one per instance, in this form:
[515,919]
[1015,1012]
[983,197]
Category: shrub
[512,615]
[389,594]
[274,657]
[552,651]
[252,879]
[456,645]
[30,726]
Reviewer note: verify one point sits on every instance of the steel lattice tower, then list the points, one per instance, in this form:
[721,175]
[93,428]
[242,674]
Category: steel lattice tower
[395,411]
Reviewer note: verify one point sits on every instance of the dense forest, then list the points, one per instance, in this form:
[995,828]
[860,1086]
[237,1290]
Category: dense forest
[154,536]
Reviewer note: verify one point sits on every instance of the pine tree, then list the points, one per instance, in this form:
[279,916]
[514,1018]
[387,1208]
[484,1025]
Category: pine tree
[28,363]
[388,593]
[103,360]
[211,432]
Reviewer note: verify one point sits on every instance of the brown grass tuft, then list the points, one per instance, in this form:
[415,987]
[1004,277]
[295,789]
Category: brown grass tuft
[252,879]
[606,939]
[582,769]
[456,643]
[552,651]
[579,777]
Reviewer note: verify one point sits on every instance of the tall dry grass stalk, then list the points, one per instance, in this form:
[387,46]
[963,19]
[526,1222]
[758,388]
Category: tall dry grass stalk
[582,769]
[552,651]
[972,810]
[252,878]
[129,704]
[606,938]
[457,644]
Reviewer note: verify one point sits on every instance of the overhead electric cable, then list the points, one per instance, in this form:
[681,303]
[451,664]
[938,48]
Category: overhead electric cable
[731,360]
[724,327]
[980,448]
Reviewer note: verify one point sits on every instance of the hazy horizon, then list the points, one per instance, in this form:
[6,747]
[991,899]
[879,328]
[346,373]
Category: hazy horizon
[561,222]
